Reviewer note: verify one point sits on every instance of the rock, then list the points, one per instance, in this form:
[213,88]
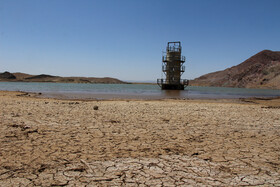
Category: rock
[95,107]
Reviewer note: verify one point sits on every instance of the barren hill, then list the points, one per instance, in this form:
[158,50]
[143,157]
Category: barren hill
[22,77]
[7,75]
[260,71]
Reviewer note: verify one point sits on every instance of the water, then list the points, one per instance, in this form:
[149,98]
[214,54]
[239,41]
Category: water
[132,91]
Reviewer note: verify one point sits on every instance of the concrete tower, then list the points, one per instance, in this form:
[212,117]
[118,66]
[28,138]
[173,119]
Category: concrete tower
[172,66]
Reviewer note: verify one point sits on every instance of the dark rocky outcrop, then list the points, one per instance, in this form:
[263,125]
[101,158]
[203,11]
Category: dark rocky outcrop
[7,75]
[42,76]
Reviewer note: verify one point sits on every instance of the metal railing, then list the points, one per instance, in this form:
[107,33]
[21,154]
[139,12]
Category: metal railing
[184,82]
[173,49]
[182,59]
[173,68]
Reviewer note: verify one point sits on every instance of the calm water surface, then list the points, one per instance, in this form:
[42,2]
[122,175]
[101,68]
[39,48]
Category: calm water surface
[132,91]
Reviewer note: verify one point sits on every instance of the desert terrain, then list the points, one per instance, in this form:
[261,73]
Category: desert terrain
[51,142]
[262,70]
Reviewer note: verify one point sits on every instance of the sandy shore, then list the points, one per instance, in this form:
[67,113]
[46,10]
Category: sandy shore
[46,142]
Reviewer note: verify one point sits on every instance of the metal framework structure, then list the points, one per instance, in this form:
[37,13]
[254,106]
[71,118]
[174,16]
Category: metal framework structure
[173,68]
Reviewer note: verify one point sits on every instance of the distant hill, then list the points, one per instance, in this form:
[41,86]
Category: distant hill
[40,77]
[7,75]
[22,77]
[260,71]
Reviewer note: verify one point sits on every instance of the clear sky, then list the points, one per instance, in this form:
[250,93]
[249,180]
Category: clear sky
[125,38]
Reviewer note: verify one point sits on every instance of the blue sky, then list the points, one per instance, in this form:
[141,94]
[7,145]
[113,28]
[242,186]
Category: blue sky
[125,38]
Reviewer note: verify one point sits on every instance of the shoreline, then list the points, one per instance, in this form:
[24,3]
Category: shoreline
[254,100]
[54,142]
[168,95]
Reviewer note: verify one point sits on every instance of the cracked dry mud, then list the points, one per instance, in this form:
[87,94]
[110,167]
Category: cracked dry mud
[48,142]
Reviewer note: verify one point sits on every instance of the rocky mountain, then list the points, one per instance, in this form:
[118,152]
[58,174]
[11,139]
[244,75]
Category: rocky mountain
[22,77]
[259,71]
[7,75]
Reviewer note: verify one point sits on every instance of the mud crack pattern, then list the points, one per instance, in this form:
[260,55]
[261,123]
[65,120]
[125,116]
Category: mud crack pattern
[47,142]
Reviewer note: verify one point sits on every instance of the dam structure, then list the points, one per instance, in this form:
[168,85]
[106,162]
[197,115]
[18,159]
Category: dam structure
[173,68]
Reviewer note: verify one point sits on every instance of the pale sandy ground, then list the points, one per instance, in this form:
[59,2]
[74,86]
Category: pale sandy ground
[48,142]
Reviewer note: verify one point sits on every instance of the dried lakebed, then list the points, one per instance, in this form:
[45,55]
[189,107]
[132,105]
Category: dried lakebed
[48,142]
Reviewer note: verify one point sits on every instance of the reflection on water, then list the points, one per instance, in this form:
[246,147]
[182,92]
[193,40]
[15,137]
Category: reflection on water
[133,91]
[174,93]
